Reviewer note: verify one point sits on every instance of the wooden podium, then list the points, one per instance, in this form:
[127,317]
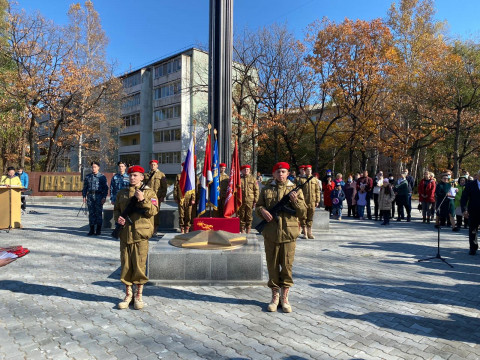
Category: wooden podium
[10,207]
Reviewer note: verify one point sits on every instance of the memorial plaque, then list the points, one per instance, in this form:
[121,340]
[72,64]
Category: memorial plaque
[61,183]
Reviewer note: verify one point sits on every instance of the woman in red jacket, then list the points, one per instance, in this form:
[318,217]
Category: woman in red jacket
[327,189]
[426,195]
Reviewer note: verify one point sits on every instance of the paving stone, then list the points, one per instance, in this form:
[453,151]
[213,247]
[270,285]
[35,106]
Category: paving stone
[359,293]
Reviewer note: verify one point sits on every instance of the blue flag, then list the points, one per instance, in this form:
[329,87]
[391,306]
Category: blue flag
[215,185]
[206,178]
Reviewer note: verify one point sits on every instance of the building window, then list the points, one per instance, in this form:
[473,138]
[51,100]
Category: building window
[131,120]
[168,90]
[168,68]
[131,80]
[167,135]
[131,101]
[173,157]
[134,141]
[167,113]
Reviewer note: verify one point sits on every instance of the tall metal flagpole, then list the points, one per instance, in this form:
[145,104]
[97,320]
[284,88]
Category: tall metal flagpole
[220,74]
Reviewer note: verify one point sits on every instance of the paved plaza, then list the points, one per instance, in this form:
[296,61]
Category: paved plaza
[359,294]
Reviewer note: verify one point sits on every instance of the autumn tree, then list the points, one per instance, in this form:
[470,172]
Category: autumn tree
[354,60]
[10,110]
[88,104]
[37,50]
[417,124]
[280,67]
[458,97]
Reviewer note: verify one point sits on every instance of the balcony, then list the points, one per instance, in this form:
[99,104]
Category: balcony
[130,130]
[128,149]
[162,124]
[167,101]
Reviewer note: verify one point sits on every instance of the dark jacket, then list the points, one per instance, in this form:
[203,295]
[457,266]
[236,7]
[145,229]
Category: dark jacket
[350,190]
[471,196]
[402,188]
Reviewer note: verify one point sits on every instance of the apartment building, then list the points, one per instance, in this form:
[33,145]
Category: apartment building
[162,102]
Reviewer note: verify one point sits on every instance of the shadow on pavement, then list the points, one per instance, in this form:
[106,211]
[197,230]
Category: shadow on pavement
[464,295]
[178,294]
[48,290]
[466,267]
[458,328]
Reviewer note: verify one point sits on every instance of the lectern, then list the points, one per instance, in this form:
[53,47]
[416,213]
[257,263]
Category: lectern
[10,207]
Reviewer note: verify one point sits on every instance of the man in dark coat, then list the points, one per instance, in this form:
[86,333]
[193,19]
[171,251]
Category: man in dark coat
[470,203]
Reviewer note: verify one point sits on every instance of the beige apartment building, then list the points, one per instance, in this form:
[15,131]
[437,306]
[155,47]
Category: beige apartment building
[162,102]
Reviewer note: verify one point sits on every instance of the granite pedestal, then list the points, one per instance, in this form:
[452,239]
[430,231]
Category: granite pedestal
[170,265]
[321,220]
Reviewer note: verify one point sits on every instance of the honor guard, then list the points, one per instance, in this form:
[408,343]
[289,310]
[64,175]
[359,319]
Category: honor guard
[280,234]
[301,174]
[119,181]
[159,185]
[186,206]
[223,182]
[134,236]
[95,191]
[249,198]
[311,193]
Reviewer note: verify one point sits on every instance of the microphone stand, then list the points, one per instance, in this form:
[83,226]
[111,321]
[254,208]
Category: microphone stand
[438,238]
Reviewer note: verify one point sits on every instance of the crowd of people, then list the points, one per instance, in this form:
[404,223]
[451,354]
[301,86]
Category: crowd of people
[392,196]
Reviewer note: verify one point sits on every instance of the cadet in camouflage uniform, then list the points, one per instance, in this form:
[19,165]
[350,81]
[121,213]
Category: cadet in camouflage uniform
[186,206]
[249,198]
[279,237]
[311,192]
[301,173]
[134,237]
[157,184]
[119,181]
[95,191]
[223,182]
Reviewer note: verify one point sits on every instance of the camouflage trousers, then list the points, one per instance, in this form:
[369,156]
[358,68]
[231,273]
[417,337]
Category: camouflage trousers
[245,215]
[133,258]
[95,209]
[308,219]
[279,257]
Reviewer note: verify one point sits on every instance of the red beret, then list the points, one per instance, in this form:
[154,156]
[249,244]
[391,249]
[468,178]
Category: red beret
[153,161]
[281,165]
[308,166]
[135,168]
[301,167]
[223,165]
[183,163]
[245,167]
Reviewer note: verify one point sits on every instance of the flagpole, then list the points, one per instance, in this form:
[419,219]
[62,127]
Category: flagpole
[208,187]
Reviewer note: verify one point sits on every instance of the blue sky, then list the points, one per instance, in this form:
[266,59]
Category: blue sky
[145,30]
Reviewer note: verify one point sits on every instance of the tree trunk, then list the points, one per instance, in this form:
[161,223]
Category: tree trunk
[31,142]
[456,144]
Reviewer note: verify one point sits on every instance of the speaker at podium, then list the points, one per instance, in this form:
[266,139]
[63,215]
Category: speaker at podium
[10,207]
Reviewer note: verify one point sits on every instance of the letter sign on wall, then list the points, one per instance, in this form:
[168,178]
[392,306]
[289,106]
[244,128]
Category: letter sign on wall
[60,183]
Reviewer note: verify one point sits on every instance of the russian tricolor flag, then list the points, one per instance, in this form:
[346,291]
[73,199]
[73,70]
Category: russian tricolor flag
[187,178]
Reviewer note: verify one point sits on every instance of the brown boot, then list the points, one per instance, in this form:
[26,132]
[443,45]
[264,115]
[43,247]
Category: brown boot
[272,307]
[248,229]
[138,300]
[309,233]
[128,298]
[304,232]
[284,300]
